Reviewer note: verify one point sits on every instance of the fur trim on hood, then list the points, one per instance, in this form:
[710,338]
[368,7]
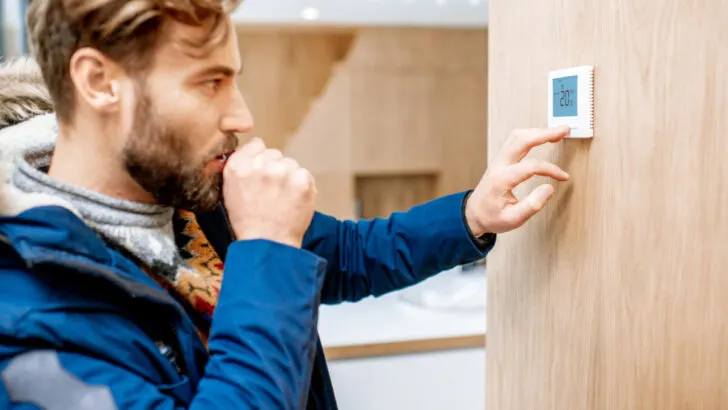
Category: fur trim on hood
[23,93]
[27,126]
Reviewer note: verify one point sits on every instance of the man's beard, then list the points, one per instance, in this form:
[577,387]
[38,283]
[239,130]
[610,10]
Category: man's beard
[161,161]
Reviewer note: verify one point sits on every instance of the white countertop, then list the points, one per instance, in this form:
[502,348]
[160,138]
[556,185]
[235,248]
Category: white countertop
[390,318]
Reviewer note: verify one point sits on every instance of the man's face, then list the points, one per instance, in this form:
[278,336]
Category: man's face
[184,120]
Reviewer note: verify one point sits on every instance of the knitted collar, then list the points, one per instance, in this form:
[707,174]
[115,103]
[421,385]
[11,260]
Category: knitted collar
[143,230]
[168,244]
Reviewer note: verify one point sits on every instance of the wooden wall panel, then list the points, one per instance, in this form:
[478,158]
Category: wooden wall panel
[381,195]
[323,146]
[285,71]
[420,49]
[392,122]
[419,103]
[614,296]
[460,121]
[374,101]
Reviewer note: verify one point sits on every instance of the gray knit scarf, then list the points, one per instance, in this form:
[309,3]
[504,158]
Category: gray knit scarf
[142,229]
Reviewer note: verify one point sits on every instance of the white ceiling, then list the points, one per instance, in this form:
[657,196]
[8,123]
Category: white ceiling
[438,13]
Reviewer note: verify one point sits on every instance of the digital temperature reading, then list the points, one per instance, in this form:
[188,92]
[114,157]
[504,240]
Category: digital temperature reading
[566,96]
[571,100]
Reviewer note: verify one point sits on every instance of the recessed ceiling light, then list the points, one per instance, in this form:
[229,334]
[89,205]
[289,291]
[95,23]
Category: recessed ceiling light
[310,13]
[475,2]
[441,2]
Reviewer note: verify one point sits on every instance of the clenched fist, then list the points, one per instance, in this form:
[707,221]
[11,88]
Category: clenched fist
[268,196]
[492,207]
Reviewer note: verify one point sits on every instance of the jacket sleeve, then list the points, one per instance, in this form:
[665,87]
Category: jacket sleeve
[264,331]
[261,346]
[377,256]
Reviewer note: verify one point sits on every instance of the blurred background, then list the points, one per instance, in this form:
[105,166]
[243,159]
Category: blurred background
[384,101]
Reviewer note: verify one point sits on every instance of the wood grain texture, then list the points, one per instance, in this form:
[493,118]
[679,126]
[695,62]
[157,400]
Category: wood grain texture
[614,296]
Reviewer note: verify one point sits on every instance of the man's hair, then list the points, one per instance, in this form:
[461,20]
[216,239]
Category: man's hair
[126,31]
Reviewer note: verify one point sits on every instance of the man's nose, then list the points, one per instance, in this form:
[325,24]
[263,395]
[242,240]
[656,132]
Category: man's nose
[238,119]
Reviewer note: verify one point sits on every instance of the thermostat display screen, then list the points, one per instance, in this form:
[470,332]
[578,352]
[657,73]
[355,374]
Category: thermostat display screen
[565,96]
[570,100]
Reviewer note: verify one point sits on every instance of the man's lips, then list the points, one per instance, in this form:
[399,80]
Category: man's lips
[217,164]
[224,156]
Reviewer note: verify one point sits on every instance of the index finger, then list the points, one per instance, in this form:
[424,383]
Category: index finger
[522,142]
[252,148]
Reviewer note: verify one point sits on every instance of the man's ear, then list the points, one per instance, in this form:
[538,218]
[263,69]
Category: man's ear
[95,78]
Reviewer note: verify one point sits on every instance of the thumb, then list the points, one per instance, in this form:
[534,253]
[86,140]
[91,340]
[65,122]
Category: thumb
[530,206]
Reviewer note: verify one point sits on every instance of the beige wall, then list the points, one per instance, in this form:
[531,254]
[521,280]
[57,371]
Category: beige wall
[385,117]
[614,297]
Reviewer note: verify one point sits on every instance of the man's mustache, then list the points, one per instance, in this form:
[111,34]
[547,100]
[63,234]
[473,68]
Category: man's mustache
[229,145]
[231,142]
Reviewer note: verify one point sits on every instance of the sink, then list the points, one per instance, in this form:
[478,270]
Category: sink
[463,288]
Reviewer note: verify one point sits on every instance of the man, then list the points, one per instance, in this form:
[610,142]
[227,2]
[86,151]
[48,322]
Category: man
[113,233]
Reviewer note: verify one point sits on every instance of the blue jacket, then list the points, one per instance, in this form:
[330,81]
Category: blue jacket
[82,327]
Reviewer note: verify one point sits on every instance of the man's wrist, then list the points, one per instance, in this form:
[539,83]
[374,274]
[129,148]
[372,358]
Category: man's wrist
[288,240]
[482,240]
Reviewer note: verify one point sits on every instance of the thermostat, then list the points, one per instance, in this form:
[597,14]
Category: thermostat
[571,100]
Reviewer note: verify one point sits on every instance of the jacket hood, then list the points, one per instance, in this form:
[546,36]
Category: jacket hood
[23,93]
[27,125]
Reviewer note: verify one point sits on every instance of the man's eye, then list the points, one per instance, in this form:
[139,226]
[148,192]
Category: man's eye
[213,84]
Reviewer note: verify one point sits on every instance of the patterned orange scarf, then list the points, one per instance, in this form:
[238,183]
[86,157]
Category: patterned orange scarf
[198,290]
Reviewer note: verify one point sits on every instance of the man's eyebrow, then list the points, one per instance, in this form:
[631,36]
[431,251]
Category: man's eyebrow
[219,69]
